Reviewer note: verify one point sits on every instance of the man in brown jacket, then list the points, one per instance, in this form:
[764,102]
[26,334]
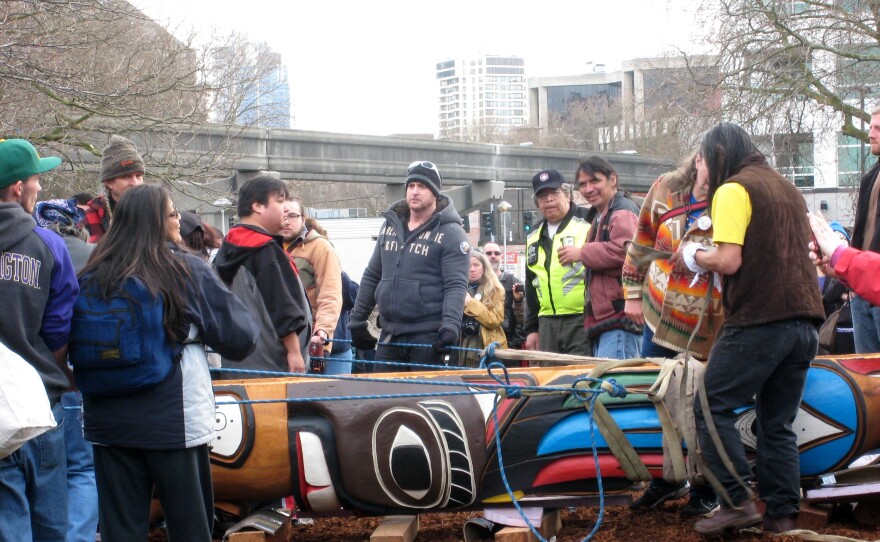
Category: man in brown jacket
[320,273]
[772,309]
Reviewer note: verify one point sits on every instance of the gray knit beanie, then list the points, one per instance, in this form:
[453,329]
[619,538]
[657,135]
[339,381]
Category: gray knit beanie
[120,158]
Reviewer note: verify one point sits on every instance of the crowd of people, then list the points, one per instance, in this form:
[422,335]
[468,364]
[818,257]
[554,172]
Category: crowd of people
[715,262]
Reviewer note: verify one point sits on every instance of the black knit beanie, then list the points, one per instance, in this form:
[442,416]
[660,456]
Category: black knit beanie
[120,158]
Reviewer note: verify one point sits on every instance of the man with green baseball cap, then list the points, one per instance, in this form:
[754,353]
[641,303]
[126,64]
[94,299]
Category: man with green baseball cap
[19,162]
[38,287]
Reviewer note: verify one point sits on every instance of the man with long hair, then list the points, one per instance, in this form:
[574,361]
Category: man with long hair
[258,271]
[38,287]
[772,310]
[615,217]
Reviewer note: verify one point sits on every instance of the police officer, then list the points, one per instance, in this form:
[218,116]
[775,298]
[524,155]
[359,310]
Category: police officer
[554,319]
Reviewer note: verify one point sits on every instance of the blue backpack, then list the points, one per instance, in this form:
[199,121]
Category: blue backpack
[118,345]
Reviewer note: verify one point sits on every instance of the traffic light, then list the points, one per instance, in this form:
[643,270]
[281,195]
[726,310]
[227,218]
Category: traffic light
[528,220]
[487,223]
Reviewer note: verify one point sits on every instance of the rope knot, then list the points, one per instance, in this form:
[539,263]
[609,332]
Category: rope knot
[614,388]
[487,357]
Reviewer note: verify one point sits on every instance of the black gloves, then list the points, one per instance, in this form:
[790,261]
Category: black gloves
[361,338]
[445,339]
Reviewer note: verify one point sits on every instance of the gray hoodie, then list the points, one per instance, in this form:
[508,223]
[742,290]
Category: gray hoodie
[38,287]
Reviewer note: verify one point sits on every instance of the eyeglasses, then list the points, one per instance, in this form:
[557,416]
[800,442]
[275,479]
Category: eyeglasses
[292,216]
[174,214]
[493,253]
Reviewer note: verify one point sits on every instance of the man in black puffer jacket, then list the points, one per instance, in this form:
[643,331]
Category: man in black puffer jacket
[417,275]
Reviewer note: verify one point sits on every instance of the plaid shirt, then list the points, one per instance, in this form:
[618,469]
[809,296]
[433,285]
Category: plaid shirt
[97,219]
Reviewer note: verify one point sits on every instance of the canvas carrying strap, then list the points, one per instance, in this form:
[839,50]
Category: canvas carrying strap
[710,423]
[654,254]
[620,447]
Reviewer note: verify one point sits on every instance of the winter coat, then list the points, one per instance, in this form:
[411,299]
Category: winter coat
[179,411]
[417,278]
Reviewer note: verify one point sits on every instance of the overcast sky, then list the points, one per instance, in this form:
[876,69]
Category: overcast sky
[368,67]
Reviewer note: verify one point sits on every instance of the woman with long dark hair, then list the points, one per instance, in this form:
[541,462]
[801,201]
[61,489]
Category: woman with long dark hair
[158,435]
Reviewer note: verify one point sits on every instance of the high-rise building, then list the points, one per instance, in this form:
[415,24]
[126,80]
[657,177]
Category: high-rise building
[481,97]
[261,94]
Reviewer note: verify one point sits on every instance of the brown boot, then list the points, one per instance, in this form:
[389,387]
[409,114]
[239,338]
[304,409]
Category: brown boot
[780,525]
[746,515]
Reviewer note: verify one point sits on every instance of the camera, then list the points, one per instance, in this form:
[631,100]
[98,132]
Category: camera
[518,288]
[469,326]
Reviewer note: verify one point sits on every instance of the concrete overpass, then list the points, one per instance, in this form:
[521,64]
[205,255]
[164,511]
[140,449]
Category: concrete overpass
[322,156]
[481,170]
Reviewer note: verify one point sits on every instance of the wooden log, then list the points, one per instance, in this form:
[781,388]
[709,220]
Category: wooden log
[396,529]
[551,523]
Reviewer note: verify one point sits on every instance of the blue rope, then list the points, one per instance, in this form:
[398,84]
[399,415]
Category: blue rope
[591,400]
[417,345]
[354,397]
[405,364]
[488,355]
[479,387]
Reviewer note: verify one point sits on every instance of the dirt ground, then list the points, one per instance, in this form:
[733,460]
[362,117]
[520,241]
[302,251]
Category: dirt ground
[619,523]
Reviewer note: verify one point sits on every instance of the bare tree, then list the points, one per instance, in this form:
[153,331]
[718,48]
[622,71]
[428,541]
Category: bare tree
[323,195]
[74,71]
[587,124]
[797,67]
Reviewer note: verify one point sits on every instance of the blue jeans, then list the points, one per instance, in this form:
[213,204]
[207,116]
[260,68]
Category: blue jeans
[769,363]
[82,493]
[650,349]
[866,325]
[341,364]
[33,488]
[617,344]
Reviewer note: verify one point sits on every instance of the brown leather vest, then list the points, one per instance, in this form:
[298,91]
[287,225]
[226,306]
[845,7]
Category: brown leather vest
[776,281]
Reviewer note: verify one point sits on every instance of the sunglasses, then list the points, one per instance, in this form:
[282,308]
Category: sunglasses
[493,253]
[426,165]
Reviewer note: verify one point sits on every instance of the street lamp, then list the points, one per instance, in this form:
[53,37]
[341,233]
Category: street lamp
[505,208]
[223,203]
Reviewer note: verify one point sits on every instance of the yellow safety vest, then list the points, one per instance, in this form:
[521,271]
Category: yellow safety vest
[561,289]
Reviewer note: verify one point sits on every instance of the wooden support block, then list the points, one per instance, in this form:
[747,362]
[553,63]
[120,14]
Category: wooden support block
[278,532]
[396,529]
[812,517]
[551,523]
[867,513]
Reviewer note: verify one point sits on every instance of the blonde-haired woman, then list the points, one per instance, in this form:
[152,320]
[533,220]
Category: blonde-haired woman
[483,310]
